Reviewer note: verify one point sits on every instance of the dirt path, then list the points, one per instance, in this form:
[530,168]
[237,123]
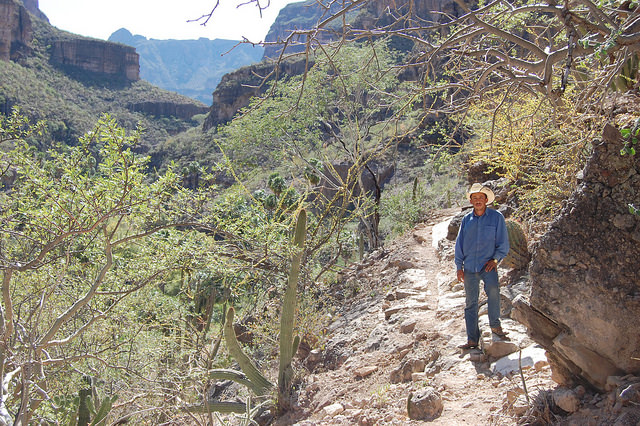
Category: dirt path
[396,334]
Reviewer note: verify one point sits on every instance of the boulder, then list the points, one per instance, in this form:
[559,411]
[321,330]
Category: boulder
[424,404]
[585,295]
[566,399]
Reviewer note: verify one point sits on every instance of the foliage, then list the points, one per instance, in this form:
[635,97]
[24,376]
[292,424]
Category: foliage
[436,185]
[538,146]
[251,377]
[336,101]
[84,238]
[631,136]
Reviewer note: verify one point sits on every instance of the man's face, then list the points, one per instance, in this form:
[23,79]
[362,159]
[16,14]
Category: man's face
[478,200]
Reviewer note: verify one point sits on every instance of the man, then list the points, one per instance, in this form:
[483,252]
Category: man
[481,244]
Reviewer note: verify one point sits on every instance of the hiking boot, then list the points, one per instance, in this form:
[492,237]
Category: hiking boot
[498,331]
[469,345]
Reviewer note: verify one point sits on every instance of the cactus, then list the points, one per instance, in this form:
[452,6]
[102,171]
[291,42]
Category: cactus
[289,344]
[259,384]
[87,407]
[518,256]
[250,376]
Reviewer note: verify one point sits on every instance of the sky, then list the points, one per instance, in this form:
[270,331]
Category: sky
[163,19]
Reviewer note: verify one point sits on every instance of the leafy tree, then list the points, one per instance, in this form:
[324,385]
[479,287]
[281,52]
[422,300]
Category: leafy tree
[337,111]
[83,238]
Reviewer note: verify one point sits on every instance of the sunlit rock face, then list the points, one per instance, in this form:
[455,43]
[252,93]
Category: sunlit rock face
[238,87]
[97,56]
[585,300]
[16,30]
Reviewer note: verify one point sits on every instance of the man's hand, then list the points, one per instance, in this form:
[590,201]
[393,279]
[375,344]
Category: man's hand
[460,275]
[490,265]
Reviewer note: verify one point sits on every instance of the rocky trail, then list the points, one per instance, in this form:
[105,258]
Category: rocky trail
[393,355]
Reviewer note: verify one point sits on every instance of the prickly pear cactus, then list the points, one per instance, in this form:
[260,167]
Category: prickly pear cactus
[518,257]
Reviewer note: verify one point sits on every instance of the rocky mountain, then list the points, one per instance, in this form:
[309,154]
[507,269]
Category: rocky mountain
[70,81]
[190,67]
[97,56]
[237,87]
[307,14]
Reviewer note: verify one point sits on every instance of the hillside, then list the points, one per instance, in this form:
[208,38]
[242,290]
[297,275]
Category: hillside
[192,68]
[70,81]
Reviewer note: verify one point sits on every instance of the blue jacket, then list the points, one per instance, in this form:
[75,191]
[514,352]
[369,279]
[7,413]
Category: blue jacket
[480,239]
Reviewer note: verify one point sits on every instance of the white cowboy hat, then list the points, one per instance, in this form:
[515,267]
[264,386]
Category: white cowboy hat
[478,187]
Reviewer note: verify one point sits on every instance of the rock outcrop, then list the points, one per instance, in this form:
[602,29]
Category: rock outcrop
[97,56]
[585,299]
[372,14]
[33,6]
[16,31]
[238,87]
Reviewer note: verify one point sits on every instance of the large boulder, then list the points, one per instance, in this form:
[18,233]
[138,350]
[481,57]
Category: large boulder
[585,299]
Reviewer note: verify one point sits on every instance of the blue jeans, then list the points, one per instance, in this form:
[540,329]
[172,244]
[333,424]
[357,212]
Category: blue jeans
[472,292]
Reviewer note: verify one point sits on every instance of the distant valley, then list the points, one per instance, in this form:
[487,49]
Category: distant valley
[190,67]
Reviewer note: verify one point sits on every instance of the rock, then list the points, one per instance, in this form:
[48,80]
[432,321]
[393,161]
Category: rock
[409,305]
[481,171]
[97,56]
[509,364]
[584,271]
[377,336]
[440,232]
[406,369]
[366,371]
[566,399]
[499,349]
[333,409]
[401,264]
[630,395]
[454,225]
[183,110]
[16,33]
[513,394]
[408,325]
[425,404]
[477,356]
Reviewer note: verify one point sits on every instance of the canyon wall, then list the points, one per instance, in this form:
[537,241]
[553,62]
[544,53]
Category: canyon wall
[97,56]
[585,299]
[16,31]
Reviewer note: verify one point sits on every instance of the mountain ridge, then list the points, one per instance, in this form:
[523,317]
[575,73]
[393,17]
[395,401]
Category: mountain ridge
[190,67]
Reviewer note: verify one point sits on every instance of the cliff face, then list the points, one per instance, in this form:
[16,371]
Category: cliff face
[238,87]
[16,31]
[371,14]
[97,56]
[585,299]
[33,6]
